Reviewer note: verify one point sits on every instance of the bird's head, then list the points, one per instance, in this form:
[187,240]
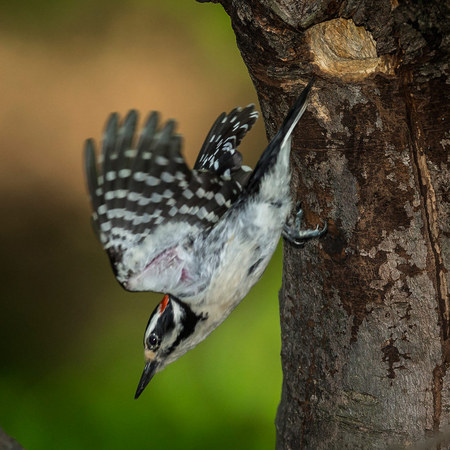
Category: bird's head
[169,334]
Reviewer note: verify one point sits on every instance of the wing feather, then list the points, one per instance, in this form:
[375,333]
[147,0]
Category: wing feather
[139,194]
[219,151]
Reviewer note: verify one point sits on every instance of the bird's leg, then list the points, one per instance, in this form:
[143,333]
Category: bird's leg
[296,236]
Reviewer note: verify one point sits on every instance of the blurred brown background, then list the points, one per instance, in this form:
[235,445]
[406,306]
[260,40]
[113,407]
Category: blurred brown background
[71,338]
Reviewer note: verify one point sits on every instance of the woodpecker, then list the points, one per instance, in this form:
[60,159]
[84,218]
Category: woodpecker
[203,237]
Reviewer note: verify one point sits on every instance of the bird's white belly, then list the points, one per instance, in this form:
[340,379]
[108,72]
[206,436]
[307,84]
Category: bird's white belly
[245,257]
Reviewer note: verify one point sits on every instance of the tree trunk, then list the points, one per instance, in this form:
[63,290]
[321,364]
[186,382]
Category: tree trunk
[365,310]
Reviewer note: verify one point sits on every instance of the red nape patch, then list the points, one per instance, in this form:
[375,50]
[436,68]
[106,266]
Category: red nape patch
[163,304]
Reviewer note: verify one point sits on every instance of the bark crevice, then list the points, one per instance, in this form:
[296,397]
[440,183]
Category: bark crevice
[431,231]
[429,208]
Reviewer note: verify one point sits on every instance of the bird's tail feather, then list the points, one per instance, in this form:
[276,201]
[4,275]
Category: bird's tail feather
[268,158]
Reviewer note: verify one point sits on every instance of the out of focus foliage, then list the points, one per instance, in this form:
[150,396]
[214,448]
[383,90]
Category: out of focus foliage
[71,338]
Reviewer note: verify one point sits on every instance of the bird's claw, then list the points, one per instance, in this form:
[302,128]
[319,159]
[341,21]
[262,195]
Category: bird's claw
[298,237]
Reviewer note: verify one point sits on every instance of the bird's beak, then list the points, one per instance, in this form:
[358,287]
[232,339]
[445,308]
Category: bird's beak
[147,375]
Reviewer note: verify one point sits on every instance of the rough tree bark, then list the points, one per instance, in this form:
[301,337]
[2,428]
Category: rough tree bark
[365,313]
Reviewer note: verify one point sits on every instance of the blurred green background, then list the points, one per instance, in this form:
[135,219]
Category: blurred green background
[71,338]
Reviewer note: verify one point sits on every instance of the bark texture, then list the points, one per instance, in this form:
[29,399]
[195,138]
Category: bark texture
[365,311]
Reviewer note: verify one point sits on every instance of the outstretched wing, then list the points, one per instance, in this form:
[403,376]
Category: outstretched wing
[219,152]
[148,204]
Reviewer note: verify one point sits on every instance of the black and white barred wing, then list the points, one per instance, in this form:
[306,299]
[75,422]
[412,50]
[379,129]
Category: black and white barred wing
[148,204]
[219,152]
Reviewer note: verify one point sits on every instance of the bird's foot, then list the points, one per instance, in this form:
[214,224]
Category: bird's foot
[296,236]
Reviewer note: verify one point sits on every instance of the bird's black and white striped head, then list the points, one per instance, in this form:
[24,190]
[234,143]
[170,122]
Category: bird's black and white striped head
[169,334]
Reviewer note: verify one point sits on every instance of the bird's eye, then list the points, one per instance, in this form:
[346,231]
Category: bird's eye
[152,341]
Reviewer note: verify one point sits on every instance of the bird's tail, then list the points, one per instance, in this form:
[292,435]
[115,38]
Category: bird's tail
[269,157]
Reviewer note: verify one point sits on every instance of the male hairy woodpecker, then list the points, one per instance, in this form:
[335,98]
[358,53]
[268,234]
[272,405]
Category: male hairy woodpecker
[202,236]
